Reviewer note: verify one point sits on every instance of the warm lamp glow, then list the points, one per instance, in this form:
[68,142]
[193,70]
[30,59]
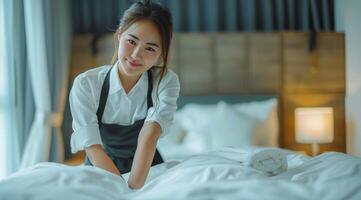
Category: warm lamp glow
[314,125]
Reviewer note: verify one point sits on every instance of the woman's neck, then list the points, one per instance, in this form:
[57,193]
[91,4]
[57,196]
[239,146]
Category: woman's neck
[128,82]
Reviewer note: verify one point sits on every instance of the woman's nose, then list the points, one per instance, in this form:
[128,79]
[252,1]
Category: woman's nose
[136,52]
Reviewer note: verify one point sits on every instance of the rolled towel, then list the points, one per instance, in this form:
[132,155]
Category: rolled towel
[269,160]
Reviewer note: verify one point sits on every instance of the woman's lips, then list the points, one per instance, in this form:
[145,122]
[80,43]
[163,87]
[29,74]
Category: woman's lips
[133,64]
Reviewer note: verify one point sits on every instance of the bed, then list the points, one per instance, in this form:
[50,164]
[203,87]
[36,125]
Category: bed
[216,149]
[206,176]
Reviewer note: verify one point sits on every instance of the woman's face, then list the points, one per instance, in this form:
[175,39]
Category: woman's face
[139,48]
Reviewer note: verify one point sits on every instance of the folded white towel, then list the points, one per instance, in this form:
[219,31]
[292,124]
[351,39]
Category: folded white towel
[270,160]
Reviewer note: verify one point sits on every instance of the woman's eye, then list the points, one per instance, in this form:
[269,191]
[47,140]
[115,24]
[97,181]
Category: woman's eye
[132,42]
[150,49]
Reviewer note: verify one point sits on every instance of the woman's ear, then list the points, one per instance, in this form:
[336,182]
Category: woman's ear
[118,33]
[118,36]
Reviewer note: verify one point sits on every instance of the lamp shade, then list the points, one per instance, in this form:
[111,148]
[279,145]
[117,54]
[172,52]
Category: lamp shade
[314,125]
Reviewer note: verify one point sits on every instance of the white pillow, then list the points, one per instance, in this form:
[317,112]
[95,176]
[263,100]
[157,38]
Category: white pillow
[188,135]
[195,115]
[231,128]
[198,141]
[266,133]
[184,137]
[175,133]
[212,126]
[194,118]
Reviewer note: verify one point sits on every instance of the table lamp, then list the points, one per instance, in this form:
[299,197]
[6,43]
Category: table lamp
[314,125]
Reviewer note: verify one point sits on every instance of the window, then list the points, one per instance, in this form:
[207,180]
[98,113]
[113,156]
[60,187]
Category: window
[2,92]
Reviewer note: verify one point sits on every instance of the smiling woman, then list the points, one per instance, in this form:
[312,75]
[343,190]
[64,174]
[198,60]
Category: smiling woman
[120,110]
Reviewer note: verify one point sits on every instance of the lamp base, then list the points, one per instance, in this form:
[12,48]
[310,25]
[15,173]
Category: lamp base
[315,149]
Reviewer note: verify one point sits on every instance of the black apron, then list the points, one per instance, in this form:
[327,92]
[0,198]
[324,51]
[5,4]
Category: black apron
[120,142]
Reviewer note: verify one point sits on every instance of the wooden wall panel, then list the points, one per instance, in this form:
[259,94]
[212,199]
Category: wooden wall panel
[231,63]
[82,58]
[312,79]
[292,101]
[173,62]
[265,62]
[249,63]
[105,50]
[196,68]
[321,70]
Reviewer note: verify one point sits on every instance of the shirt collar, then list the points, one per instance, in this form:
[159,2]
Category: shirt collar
[116,85]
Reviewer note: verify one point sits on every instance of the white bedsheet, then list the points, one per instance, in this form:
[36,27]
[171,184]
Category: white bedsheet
[206,176]
[270,160]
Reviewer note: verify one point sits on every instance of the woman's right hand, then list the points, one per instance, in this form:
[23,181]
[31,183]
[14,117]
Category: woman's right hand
[99,158]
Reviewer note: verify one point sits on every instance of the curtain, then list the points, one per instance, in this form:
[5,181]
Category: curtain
[10,125]
[48,45]
[93,16]
[3,85]
[36,66]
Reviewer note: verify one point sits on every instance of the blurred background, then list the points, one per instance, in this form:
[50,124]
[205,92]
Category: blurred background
[305,53]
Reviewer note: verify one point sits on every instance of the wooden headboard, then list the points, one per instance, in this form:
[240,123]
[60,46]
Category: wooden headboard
[278,64]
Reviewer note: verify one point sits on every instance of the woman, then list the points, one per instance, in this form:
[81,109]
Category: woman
[119,111]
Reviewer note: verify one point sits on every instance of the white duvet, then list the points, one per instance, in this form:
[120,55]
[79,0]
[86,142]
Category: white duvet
[215,175]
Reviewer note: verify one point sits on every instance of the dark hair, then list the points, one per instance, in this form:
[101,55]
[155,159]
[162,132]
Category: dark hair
[154,12]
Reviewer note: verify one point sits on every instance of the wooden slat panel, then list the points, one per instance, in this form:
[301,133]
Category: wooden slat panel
[173,52]
[251,63]
[105,46]
[322,70]
[195,63]
[82,56]
[231,63]
[265,62]
[292,101]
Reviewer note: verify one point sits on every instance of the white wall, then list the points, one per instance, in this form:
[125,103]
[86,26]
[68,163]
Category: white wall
[348,20]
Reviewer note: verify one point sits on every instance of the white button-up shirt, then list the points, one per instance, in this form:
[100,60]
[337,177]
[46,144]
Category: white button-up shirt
[121,108]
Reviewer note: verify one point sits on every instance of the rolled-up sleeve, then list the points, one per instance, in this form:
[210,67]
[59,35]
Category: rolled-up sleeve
[83,110]
[165,105]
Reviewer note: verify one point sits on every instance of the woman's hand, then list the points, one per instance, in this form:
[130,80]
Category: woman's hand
[147,142]
[100,159]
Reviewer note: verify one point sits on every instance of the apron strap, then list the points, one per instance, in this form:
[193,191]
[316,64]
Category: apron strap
[150,88]
[103,97]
